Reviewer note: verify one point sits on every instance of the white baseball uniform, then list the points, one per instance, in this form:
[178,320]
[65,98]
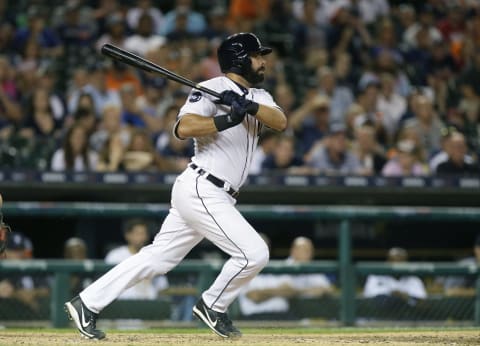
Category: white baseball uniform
[200,209]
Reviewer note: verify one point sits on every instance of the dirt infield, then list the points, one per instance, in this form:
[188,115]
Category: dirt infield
[254,337]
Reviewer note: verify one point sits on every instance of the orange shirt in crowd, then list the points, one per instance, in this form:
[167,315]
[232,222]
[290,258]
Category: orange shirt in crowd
[114,81]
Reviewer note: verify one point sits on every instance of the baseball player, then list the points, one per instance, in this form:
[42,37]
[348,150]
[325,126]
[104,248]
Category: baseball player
[203,200]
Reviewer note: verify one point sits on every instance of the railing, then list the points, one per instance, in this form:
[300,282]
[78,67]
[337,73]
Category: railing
[206,271]
[346,270]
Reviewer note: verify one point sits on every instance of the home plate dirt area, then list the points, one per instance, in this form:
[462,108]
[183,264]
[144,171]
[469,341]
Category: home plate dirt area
[271,337]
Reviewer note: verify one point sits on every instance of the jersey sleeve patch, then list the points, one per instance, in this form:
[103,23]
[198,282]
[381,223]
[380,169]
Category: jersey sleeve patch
[195,96]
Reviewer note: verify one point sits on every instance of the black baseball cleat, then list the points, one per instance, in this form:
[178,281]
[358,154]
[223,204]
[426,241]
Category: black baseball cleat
[219,322]
[85,320]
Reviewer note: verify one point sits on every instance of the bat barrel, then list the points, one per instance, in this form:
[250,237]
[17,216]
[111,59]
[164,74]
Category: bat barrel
[129,58]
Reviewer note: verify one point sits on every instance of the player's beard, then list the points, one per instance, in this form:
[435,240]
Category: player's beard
[254,76]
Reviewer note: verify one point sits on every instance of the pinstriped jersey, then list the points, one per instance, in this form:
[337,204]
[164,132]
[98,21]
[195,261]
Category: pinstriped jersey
[226,154]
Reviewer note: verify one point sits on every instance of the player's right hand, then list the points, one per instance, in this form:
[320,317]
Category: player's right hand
[235,117]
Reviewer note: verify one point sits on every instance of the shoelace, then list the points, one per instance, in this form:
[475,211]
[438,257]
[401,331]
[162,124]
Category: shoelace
[225,319]
[93,321]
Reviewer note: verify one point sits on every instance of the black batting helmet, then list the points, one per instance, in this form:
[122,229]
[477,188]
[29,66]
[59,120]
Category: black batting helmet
[234,51]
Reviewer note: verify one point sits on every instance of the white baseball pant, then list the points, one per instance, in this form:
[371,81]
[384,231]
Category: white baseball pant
[199,209]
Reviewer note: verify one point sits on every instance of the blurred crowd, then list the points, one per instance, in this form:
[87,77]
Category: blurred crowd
[370,87]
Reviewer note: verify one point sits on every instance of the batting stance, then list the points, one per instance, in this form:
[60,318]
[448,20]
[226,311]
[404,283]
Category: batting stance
[203,200]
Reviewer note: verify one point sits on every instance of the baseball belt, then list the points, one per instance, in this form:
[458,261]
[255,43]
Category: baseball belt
[214,180]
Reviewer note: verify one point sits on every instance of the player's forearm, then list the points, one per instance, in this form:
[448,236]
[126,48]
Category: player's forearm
[272,117]
[193,125]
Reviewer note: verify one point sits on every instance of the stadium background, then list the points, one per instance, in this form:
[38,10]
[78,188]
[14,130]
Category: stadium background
[68,52]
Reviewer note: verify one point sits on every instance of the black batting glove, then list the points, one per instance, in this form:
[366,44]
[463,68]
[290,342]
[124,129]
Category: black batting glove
[227,97]
[235,117]
[251,107]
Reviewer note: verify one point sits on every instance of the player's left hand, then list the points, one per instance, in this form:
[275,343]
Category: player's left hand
[227,97]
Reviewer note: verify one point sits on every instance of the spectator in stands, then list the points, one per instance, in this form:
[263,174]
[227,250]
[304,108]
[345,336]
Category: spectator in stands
[391,104]
[283,31]
[103,10]
[440,59]
[131,114]
[348,34]
[176,152]
[393,292]
[368,151]
[95,86]
[267,143]
[406,162]
[140,155]
[332,155]
[136,235]
[27,289]
[217,28]
[345,74]
[311,121]
[355,117]
[386,41]
[372,10]
[40,121]
[283,156]
[85,116]
[37,30]
[286,99]
[30,58]
[245,13]
[196,23]
[469,108]
[84,107]
[442,155]
[116,33]
[427,124]
[74,155]
[208,64]
[111,155]
[76,36]
[442,84]
[10,110]
[47,78]
[79,79]
[179,36]
[458,163]
[425,22]
[367,99]
[148,105]
[267,295]
[119,75]
[315,30]
[145,6]
[110,124]
[340,96]
[169,118]
[144,38]
[76,249]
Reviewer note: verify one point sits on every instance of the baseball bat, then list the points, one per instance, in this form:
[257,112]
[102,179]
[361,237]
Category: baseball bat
[134,60]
